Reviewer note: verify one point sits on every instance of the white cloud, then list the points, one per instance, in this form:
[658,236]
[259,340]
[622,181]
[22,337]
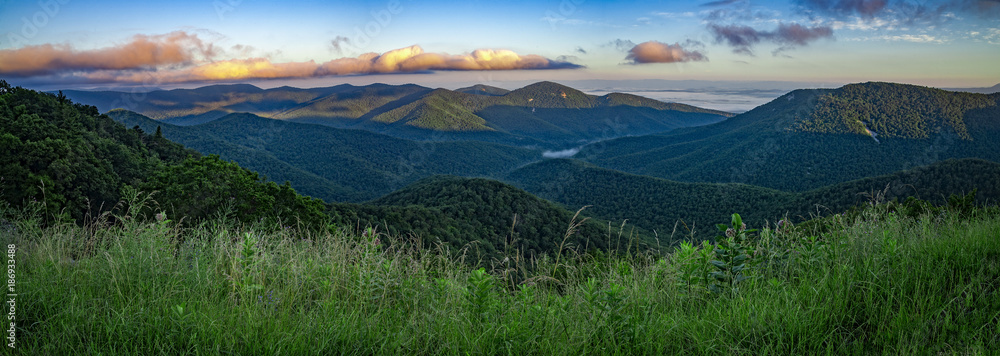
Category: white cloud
[561,154]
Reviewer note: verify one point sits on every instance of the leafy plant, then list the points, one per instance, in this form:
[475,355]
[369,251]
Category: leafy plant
[732,253]
[480,291]
[243,276]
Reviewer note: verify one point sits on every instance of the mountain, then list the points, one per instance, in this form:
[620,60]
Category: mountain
[481,212]
[543,114]
[989,90]
[335,164]
[670,207]
[481,89]
[65,161]
[808,139]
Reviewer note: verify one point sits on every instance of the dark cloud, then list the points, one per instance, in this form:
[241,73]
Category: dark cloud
[580,50]
[659,52]
[744,38]
[692,43]
[337,43]
[620,44]
[736,36]
[568,58]
[798,35]
[864,8]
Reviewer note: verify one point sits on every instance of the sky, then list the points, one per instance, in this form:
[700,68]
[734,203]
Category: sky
[52,44]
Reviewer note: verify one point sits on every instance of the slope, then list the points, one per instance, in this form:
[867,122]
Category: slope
[65,161]
[481,212]
[337,164]
[812,138]
[545,113]
[260,161]
[668,206]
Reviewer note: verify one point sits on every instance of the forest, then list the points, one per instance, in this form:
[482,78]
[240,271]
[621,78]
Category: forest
[76,164]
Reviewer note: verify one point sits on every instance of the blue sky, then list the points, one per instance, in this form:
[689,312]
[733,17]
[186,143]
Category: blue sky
[72,42]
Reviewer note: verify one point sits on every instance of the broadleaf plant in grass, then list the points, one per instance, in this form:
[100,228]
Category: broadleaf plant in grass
[732,252]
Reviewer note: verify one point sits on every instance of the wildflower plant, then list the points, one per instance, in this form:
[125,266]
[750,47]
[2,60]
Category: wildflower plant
[732,252]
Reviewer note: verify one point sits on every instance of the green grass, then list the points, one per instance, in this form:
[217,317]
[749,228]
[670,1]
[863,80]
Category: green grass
[878,284]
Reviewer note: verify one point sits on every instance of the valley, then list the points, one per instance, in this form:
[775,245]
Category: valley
[808,153]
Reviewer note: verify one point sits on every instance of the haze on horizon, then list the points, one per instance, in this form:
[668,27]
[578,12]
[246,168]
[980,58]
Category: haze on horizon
[64,44]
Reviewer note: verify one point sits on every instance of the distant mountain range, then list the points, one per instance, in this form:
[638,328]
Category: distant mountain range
[984,90]
[543,114]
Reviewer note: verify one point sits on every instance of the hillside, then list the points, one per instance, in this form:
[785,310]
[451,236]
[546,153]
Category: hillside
[657,204]
[482,89]
[461,211]
[335,164]
[74,164]
[543,114]
[808,139]
[261,161]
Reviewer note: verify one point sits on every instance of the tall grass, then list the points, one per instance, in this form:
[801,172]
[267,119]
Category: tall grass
[877,284]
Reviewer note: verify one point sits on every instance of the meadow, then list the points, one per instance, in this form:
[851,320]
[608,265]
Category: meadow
[880,280]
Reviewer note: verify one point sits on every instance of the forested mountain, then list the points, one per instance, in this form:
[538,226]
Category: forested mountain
[335,164]
[546,112]
[807,139]
[75,164]
[482,89]
[543,114]
[658,204]
[459,211]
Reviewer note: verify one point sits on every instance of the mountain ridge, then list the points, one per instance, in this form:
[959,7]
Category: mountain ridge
[774,146]
[414,112]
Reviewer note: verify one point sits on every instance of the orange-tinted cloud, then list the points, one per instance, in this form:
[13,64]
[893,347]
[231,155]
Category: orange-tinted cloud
[180,57]
[142,52]
[659,52]
[414,59]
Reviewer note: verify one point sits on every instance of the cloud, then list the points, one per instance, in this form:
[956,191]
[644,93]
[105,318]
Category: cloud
[620,44]
[658,52]
[909,38]
[674,15]
[339,42]
[744,38]
[894,12]
[567,153]
[141,52]
[864,8]
[580,50]
[414,59]
[180,57]
[568,58]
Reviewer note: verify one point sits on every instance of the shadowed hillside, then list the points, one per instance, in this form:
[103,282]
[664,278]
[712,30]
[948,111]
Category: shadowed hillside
[807,139]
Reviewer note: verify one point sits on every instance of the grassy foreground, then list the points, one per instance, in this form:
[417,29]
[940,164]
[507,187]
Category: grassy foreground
[877,283]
